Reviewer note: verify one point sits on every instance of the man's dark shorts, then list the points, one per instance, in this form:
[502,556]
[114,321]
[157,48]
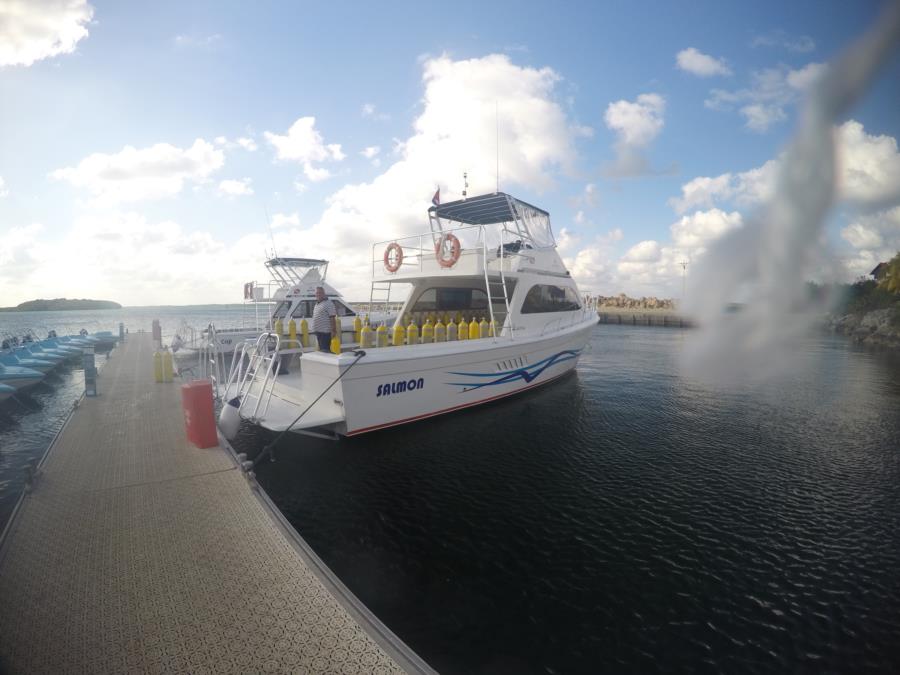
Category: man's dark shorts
[324,340]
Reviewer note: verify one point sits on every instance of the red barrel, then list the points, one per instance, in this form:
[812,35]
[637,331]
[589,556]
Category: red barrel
[199,414]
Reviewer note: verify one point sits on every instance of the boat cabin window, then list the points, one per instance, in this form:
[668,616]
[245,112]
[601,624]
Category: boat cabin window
[281,310]
[546,298]
[450,300]
[304,309]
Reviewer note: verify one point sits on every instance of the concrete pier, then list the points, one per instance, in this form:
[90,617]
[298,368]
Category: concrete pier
[136,552]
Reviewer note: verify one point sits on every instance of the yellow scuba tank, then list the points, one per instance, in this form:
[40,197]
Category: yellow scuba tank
[412,333]
[336,337]
[167,366]
[292,334]
[381,336]
[463,330]
[440,332]
[399,334]
[474,332]
[366,336]
[428,331]
[304,333]
[484,328]
[452,331]
[357,329]
[278,328]
[157,367]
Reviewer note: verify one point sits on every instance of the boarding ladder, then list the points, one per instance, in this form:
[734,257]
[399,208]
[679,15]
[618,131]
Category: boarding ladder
[253,371]
[379,292]
[212,360]
[496,290]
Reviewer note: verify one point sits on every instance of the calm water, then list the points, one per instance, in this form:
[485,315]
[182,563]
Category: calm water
[624,518]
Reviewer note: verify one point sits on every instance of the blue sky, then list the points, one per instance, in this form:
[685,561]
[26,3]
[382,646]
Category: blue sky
[144,146]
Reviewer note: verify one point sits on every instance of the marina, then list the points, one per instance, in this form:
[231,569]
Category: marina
[298,374]
[133,550]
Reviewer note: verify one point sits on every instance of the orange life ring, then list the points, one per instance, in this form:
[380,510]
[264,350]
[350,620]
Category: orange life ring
[395,248]
[454,250]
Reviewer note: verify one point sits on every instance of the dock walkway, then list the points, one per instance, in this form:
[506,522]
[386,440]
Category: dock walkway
[137,552]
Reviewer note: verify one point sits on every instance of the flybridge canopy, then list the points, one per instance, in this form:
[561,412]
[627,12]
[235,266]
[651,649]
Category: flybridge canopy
[485,209]
[293,271]
[295,262]
[520,219]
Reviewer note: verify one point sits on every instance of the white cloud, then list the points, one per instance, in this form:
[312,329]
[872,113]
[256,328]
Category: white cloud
[455,132]
[697,63]
[285,220]
[247,144]
[236,187]
[636,124]
[779,38]
[695,232]
[868,174]
[370,111]
[655,268]
[3,191]
[21,256]
[304,144]
[874,238]
[771,91]
[645,251]
[32,30]
[300,187]
[802,79]
[371,152]
[149,173]
[593,263]
[99,253]
[869,166]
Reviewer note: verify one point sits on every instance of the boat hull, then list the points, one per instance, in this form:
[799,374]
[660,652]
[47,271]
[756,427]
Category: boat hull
[390,387]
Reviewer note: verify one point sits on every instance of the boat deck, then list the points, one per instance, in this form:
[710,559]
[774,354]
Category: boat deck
[136,552]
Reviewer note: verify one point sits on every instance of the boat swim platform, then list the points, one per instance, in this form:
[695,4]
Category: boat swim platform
[137,552]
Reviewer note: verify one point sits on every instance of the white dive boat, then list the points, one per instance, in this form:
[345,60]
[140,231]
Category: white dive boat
[291,294]
[491,260]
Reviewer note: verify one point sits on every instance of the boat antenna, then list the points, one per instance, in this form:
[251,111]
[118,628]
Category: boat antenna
[465,184]
[497,134]
[269,228]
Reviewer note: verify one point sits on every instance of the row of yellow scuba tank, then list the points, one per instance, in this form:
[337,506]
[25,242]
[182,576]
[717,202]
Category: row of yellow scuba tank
[429,332]
[163,366]
[433,330]
[291,334]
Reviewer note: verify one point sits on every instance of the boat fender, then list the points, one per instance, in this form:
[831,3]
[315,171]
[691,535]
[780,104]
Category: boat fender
[230,418]
[455,250]
[392,263]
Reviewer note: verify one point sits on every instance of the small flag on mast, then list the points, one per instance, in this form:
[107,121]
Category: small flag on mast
[436,200]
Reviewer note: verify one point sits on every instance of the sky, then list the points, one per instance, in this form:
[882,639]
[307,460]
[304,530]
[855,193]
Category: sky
[158,153]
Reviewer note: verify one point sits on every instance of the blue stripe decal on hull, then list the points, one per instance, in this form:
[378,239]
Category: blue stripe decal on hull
[527,374]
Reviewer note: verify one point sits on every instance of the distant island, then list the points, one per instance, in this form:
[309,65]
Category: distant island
[61,304]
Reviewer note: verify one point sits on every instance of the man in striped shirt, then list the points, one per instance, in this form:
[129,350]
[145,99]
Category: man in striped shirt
[323,320]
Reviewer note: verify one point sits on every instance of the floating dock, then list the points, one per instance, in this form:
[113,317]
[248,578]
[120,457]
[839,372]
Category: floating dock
[137,552]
